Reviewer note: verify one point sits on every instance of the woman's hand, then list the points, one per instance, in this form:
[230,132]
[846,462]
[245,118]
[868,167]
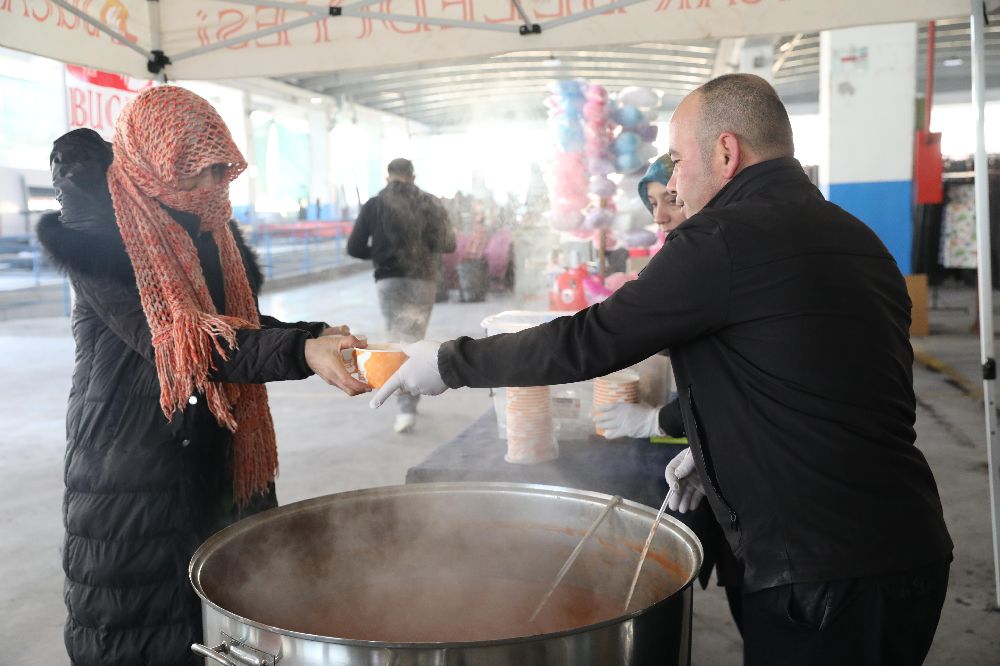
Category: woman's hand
[324,358]
[336,330]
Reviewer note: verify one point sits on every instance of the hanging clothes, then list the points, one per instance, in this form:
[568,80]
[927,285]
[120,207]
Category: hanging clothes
[958,228]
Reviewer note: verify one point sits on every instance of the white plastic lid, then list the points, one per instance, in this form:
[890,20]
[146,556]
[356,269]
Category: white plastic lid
[512,321]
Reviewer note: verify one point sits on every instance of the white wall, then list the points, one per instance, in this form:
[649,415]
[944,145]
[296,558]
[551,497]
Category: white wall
[957,124]
[867,96]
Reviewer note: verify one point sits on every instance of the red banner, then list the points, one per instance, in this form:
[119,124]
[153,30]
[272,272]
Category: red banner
[95,98]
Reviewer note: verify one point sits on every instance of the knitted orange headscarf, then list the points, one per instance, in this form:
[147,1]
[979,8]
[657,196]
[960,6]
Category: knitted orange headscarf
[165,134]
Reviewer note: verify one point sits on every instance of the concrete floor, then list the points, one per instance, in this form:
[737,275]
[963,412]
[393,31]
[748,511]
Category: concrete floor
[330,443]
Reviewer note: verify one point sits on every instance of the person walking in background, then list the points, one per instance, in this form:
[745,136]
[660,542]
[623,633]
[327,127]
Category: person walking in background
[169,432]
[403,230]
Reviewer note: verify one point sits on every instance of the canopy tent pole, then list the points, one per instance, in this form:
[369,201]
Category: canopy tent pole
[430,20]
[985,271]
[156,38]
[315,13]
[312,18]
[528,27]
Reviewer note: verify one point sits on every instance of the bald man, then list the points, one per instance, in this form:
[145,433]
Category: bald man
[787,322]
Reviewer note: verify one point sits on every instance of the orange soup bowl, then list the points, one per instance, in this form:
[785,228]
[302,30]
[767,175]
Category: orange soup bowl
[378,362]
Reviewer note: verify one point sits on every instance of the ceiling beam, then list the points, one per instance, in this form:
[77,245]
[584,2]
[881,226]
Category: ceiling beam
[649,78]
[727,56]
[342,79]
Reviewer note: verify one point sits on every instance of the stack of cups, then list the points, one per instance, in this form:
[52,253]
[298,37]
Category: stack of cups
[530,435]
[622,386]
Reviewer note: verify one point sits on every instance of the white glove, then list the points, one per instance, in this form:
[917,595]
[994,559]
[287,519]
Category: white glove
[625,419]
[419,375]
[686,489]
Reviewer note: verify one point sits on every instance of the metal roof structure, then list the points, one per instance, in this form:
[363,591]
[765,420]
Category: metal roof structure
[448,96]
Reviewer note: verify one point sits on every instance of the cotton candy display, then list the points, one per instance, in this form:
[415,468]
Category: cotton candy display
[598,218]
[568,175]
[581,193]
[635,109]
[639,238]
[597,130]
[596,135]
[602,186]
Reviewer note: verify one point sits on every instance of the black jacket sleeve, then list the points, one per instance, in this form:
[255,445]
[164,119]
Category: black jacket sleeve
[313,328]
[358,245]
[682,294]
[264,355]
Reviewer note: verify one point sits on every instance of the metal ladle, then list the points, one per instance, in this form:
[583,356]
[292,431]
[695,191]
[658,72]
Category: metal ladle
[572,556]
[645,550]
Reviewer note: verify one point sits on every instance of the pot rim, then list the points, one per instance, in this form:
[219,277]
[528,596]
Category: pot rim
[560,492]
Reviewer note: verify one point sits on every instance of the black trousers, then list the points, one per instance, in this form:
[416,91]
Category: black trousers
[883,620]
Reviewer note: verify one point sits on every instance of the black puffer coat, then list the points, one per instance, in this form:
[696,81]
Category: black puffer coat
[142,492]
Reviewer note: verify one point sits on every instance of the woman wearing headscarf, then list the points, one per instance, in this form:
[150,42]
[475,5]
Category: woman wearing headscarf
[660,201]
[642,421]
[638,420]
[169,433]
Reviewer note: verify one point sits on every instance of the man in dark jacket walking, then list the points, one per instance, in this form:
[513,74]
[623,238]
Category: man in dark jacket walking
[787,321]
[403,230]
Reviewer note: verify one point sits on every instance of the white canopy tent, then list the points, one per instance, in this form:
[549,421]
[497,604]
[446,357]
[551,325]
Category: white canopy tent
[239,38]
[210,39]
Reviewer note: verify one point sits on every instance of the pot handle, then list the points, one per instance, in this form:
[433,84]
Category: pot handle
[221,654]
[217,654]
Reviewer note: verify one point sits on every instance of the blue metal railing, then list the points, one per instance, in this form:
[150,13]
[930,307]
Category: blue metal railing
[30,286]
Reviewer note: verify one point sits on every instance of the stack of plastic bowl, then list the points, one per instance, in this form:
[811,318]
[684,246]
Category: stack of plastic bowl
[621,386]
[530,435]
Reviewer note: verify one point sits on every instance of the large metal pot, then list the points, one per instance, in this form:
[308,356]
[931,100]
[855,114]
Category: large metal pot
[273,586]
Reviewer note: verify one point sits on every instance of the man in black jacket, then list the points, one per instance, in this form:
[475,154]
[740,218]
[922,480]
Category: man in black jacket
[787,321]
[403,230]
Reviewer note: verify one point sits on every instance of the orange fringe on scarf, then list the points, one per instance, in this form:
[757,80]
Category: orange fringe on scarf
[165,134]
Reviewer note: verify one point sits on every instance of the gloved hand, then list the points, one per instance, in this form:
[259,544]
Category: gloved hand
[686,489]
[419,375]
[625,419]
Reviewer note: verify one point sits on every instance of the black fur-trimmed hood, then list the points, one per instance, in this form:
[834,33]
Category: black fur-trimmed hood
[100,252]
[84,237]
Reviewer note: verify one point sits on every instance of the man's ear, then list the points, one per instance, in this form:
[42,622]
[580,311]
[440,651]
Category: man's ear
[731,154]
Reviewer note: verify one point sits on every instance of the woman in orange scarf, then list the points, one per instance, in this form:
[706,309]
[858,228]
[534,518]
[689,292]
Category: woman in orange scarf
[169,434]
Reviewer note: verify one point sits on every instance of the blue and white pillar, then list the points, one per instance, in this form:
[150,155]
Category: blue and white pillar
[319,164]
[867,96]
